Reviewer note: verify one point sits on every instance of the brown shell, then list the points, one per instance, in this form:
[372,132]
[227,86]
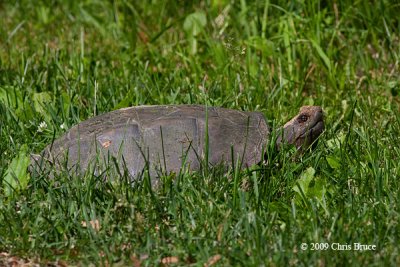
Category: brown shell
[166,137]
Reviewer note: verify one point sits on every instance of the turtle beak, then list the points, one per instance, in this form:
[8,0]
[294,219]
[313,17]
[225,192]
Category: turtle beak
[312,131]
[304,128]
[310,135]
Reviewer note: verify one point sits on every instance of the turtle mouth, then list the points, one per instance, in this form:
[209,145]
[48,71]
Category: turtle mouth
[314,130]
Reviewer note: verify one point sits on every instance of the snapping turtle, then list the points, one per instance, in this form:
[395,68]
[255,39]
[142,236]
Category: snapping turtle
[166,138]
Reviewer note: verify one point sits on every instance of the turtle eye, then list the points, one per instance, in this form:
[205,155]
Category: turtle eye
[302,118]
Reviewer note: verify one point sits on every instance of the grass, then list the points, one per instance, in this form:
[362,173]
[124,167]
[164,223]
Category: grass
[62,62]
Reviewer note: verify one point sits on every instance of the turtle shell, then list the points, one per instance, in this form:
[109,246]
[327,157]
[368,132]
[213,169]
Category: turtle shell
[163,138]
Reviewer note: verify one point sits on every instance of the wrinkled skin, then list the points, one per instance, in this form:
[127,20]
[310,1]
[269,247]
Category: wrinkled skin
[164,139]
[303,129]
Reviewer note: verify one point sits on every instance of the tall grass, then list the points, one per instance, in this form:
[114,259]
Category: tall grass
[62,62]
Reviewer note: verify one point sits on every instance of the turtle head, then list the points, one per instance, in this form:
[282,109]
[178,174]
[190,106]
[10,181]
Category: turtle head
[303,129]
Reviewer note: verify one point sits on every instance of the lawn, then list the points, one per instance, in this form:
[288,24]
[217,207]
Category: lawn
[62,62]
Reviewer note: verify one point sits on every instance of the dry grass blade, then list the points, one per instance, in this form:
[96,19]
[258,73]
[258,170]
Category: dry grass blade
[213,260]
